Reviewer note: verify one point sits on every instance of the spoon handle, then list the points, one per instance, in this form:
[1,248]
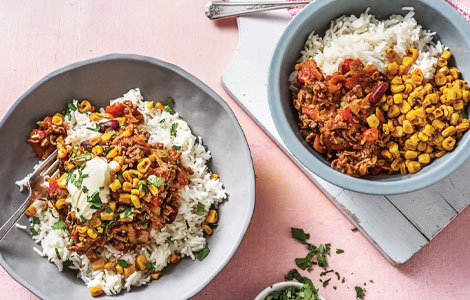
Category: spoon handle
[224,9]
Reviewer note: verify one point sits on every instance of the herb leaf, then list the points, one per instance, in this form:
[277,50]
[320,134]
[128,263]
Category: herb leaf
[36,220]
[95,200]
[59,224]
[176,147]
[200,209]
[154,180]
[33,231]
[174,126]
[122,263]
[360,292]
[96,129]
[201,255]
[299,235]
[339,251]
[57,253]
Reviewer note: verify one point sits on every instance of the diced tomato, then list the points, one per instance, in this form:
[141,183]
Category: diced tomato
[346,114]
[312,112]
[36,135]
[116,110]
[160,173]
[375,170]
[308,72]
[75,236]
[370,135]
[52,187]
[155,201]
[351,63]
[351,82]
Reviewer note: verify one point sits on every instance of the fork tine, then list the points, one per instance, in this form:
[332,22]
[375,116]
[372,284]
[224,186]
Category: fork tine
[55,173]
[52,168]
[46,164]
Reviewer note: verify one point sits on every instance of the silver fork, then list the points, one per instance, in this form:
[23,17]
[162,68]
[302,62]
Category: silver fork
[49,167]
[224,9]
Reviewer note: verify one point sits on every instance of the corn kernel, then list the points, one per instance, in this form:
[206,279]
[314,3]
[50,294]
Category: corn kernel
[385,129]
[96,291]
[136,173]
[424,158]
[403,169]
[31,211]
[397,98]
[408,88]
[410,154]
[91,233]
[125,198]
[419,112]
[112,153]
[153,189]
[156,275]
[135,201]
[446,54]
[98,264]
[109,265]
[407,127]
[97,150]
[126,133]
[421,146]
[175,258]
[393,111]
[397,88]
[207,229]
[95,140]
[106,136]
[413,166]
[440,153]
[449,131]
[392,68]
[395,165]
[448,143]
[458,105]
[141,261]
[144,165]
[95,117]
[410,145]
[129,271]
[440,79]
[159,106]
[61,152]
[428,130]
[404,107]
[462,127]
[112,205]
[126,186]
[135,182]
[81,229]
[57,120]
[212,217]
[85,106]
[410,115]
[373,121]
[60,202]
[107,216]
[149,105]
[398,132]
[119,269]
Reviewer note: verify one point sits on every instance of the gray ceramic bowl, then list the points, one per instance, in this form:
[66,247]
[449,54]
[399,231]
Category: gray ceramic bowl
[100,80]
[452,30]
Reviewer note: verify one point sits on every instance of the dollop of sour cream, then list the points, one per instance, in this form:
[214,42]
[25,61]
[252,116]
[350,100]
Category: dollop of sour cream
[96,177]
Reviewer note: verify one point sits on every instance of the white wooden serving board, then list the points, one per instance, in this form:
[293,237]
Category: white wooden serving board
[399,225]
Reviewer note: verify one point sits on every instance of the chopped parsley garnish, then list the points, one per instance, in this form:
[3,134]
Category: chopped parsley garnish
[95,200]
[71,107]
[122,263]
[59,224]
[74,178]
[360,292]
[57,253]
[108,209]
[148,251]
[164,154]
[35,136]
[168,103]
[176,147]
[187,224]
[96,129]
[200,209]
[155,180]
[36,220]
[67,263]
[326,282]
[39,123]
[174,126]
[33,231]
[85,189]
[299,235]
[201,255]
[82,218]
[145,224]
[339,251]
[128,213]
[150,266]
[162,121]
[52,214]
[464,114]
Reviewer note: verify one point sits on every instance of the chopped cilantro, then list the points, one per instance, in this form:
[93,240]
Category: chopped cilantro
[67,263]
[82,218]
[339,251]
[96,129]
[200,209]
[59,224]
[201,255]
[306,262]
[168,103]
[464,114]
[294,274]
[57,253]
[95,200]
[326,282]
[33,231]
[150,266]
[162,121]
[36,220]
[360,292]
[128,213]
[71,107]
[164,154]
[108,209]
[176,147]
[85,189]
[154,180]
[122,263]
[187,224]
[299,235]
[148,251]
[174,126]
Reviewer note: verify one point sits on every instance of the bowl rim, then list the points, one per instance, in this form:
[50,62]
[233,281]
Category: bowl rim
[305,157]
[278,286]
[173,68]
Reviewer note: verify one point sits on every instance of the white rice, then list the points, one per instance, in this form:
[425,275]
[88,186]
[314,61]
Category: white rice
[173,238]
[368,39]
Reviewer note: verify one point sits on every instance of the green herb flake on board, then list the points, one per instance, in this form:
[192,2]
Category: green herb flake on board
[204,252]
[299,235]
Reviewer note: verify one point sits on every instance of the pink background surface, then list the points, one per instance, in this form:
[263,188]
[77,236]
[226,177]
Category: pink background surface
[41,36]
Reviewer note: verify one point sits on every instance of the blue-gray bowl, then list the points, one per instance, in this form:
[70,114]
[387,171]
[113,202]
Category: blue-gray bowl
[452,30]
[99,80]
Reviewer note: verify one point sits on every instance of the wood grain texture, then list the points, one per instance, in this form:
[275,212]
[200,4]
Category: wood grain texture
[41,36]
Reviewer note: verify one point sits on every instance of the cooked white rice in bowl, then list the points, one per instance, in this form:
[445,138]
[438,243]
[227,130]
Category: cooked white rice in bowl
[180,234]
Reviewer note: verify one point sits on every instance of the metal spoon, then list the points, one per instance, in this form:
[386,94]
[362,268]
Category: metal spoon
[221,9]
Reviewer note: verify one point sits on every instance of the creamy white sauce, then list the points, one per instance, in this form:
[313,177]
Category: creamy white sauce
[98,180]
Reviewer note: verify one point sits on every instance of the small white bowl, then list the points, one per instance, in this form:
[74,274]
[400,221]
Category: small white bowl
[278,287]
